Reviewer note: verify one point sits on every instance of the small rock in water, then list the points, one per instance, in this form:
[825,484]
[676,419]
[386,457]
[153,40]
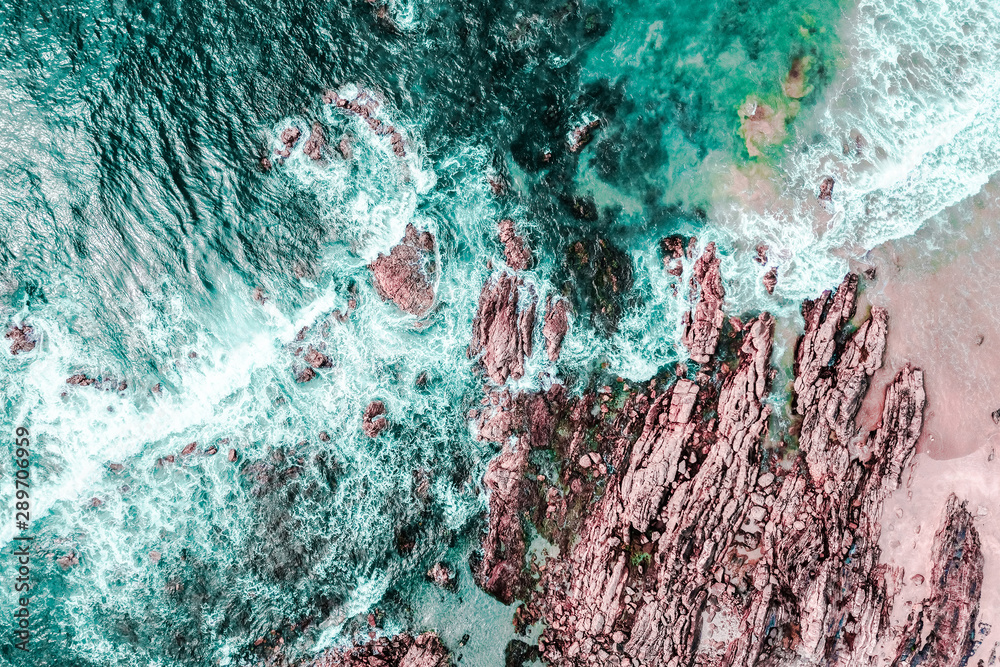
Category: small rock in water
[373,423]
[22,339]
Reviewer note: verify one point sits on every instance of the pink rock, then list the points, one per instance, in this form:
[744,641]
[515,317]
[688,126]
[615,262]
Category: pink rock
[518,254]
[401,277]
[555,327]
[80,380]
[315,143]
[826,189]
[403,650]
[289,136]
[701,330]
[372,422]
[22,339]
[316,359]
[770,279]
[501,331]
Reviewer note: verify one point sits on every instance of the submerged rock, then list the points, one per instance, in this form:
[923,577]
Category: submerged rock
[305,375]
[600,275]
[443,575]
[761,125]
[402,276]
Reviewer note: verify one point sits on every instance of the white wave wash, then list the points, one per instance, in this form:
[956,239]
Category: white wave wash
[910,126]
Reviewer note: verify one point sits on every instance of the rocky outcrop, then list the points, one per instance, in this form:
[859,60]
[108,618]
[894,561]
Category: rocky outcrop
[555,327]
[942,632]
[404,650]
[684,541]
[770,279]
[364,106]
[582,135]
[826,189]
[22,339]
[499,570]
[315,143]
[701,328]
[403,276]
[503,326]
[517,253]
[373,422]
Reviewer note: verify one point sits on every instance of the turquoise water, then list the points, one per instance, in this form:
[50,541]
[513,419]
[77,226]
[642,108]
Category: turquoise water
[138,224]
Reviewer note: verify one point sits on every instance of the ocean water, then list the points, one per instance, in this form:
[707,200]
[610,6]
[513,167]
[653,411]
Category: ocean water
[138,225]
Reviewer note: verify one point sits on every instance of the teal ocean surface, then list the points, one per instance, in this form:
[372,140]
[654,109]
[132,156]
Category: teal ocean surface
[157,242]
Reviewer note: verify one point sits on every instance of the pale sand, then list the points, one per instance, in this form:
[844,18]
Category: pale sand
[942,290]
[912,515]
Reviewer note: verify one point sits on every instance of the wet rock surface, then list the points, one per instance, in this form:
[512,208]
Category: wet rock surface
[404,275]
[373,422]
[555,326]
[403,650]
[22,339]
[701,328]
[684,540]
[517,253]
[365,106]
[502,329]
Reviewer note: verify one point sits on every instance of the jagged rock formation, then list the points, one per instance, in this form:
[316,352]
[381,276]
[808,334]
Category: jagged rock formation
[401,275]
[555,327]
[404,650]
[531,418]
[701,329]
[698,545]
[951,610]
[315,143]
[770,279]
[517,253]
[501,331]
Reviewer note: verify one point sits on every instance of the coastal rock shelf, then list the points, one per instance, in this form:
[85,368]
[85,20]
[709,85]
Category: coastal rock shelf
[683,537]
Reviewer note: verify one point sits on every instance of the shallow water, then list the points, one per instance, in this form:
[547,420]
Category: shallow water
[138,225]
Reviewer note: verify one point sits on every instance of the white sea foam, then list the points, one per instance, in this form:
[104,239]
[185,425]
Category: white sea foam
[910,125]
